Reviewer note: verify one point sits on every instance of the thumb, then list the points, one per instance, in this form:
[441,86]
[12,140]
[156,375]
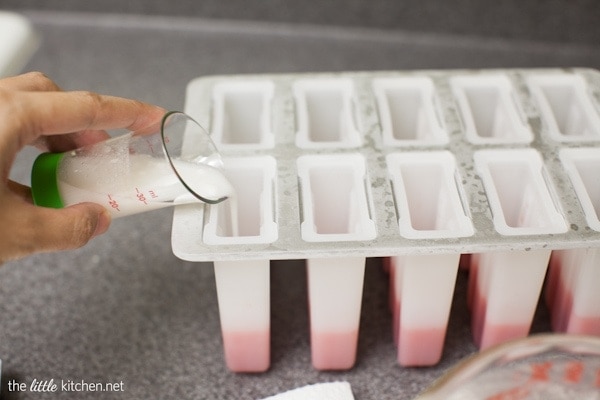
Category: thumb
[40,229]
[71,227]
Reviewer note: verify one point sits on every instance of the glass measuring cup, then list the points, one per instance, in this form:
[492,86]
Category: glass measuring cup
[544,367]
[135,172]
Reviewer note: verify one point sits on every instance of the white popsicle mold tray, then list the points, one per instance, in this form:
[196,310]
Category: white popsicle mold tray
[384,163]
[419,167]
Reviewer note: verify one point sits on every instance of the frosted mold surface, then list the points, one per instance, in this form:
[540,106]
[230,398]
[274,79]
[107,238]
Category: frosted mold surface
[512,109]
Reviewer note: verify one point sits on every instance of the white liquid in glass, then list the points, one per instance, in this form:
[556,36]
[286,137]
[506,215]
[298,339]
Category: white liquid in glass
[137,183]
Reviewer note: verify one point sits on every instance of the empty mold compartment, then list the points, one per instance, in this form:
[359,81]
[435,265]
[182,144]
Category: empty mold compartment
[242,114]
[427,197]
[249,217]
[334,198]
[519,196]
[488,109]
[565,106]
[408,113]
[583,167]
[325,113]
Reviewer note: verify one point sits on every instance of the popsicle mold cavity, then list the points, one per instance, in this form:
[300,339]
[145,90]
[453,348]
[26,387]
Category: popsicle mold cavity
[407,111]
[519,197]
[488,110]
[583,165]
[248,216]
[242,114]
[565,107]
[325,113]
[427,196]
[335,204]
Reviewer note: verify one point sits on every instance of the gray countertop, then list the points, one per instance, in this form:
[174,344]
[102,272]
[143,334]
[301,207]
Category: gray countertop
[123,308]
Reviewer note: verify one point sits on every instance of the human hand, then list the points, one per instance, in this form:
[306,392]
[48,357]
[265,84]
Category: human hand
[34,111]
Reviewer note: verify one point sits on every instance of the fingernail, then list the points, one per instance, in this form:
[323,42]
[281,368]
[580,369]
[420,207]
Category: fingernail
[104,220]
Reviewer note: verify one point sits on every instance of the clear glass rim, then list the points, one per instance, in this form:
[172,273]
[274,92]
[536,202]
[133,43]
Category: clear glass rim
[207,141]
[462,372]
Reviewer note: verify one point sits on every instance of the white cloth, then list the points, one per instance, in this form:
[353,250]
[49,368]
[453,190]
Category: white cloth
[319,391]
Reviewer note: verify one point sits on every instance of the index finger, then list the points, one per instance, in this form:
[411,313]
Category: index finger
[50,113]
[30,81]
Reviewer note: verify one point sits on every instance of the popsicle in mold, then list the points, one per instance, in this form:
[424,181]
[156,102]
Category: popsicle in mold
[334,208]
[243,287]
[505,285]
[421,286]
[571,289]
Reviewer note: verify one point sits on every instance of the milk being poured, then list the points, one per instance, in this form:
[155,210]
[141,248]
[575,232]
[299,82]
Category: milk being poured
[134,183]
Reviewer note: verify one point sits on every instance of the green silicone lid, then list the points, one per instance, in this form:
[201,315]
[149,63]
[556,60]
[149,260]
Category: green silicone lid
[44,185]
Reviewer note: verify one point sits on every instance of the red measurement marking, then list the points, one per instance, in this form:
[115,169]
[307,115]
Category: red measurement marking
[150,146]
[166,139]
[152,194]
[517,393]
[573,372]
[140,196]
[113,203]
[539,372]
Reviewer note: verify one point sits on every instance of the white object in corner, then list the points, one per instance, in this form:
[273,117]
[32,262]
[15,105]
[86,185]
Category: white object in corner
[322,391]
[18,42]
